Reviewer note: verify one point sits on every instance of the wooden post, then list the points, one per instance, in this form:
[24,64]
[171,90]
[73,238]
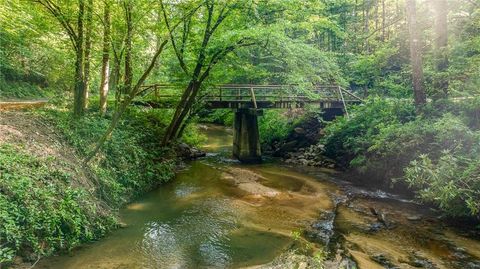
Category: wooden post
[343,101]
[252,93]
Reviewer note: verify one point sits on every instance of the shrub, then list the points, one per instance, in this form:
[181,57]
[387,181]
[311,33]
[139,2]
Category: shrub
[347,140]
[275,125]
[40,212]
[131,161]
[218,116]
[452,183]
[435,154]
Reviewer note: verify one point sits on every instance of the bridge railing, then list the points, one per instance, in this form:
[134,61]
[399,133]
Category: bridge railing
[258,93]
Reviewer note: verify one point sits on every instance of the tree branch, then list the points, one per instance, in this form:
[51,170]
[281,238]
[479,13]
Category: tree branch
[219,55]
[172,39]
[58,14]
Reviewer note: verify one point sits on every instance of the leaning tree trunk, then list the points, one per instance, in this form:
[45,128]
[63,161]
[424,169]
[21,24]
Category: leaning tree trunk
[172,127]
[415,56]
[441,49]
[78,93]
[88,48]
[128,48]
[105,60]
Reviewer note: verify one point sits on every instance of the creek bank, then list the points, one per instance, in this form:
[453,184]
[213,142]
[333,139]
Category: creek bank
[43,180]
[304,134]
[300,146]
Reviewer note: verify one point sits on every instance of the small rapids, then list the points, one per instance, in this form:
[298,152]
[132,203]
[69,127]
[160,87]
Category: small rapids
[218,213]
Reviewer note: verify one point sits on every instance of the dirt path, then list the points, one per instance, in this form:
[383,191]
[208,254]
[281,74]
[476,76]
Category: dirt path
[19,105]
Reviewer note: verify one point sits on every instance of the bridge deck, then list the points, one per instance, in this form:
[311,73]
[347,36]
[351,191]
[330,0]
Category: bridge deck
[258,96]
[265,104]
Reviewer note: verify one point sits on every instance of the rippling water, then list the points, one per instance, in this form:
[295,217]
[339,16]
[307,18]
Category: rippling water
[220,214]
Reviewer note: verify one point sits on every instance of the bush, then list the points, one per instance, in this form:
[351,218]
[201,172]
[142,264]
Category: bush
[452,183]
[347,140]
[435,154]
[275,125]
[40,211]
[131,161]
[218,116]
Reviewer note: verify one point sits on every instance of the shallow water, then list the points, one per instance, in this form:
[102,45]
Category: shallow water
[218,213]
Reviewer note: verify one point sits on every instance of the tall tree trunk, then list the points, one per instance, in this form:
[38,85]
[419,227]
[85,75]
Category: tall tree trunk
[383,20]
[366,8]
[116,76]
[88,48]
[105,59]
[415,55]
[376,15]
[78,94]
[441,46]
[128,48]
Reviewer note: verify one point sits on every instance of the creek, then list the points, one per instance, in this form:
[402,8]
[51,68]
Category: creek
[218,213]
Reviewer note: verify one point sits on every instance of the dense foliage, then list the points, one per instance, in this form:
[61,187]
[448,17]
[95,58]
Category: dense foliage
[72,50]
[131,162]
[45,207]
[40,211]
[435,153]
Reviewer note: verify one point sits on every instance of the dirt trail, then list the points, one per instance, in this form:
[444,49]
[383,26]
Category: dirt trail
[19,105]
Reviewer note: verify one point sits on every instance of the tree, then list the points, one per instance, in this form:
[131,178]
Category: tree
[161,41]
[128,5]
[76,37]
[88,49]
[209,16]
[415,55]
[105,73]
[441,49]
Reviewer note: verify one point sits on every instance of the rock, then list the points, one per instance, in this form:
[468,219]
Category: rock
[414,218]
[421,262]
[299,130]
[375,227]
[383,260]
[303,161]
[473,265]
[381,217]
[289,260]
[189,153]
[196,153]
[322,230]
[302,265]
[285,148]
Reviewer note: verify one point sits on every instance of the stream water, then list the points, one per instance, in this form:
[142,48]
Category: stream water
[218,213]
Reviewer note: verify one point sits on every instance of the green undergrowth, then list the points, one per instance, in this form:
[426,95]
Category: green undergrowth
[48,204]
[276,125]
[40,209]
[131,162]
[218,116]
[435,153]
[15,84]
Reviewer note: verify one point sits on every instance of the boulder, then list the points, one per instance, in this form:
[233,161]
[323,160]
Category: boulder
[187,152]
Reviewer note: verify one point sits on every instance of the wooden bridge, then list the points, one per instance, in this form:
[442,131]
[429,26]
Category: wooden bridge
[249,100]
[237,96]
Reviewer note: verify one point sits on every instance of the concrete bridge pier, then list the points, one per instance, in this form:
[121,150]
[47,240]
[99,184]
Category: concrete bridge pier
[246,138]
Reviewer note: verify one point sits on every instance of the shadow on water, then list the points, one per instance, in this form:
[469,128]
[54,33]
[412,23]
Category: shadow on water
[218,213]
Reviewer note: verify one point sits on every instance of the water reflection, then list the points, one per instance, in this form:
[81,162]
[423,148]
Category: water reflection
[220,214]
